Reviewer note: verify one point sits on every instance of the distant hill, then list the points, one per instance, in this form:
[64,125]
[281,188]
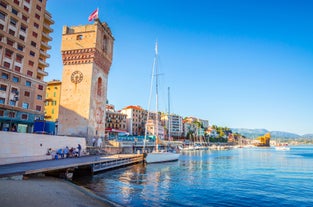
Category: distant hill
[308,136]
[254,133]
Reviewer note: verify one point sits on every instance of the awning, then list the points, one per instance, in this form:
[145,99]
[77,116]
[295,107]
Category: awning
[115,130]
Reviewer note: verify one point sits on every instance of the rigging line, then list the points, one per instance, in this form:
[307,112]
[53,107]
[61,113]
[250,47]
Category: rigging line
[150,97]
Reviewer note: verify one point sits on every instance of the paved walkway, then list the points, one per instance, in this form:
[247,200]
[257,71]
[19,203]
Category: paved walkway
[21,168]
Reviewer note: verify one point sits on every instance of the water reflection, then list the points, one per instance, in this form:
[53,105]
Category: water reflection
[210,178]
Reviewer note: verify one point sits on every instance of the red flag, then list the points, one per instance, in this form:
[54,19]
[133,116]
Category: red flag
[93,15]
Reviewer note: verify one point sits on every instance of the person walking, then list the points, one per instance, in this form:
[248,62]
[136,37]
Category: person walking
[79,149]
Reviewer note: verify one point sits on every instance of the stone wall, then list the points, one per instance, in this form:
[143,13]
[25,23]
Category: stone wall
[25,147]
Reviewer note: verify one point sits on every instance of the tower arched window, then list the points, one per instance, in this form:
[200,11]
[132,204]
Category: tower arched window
[99,87]
[79,37]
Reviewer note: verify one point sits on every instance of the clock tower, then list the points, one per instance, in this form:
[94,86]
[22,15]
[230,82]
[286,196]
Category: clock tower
[87,57]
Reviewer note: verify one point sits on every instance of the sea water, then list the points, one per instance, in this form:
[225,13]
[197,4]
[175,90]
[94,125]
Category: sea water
[237,177]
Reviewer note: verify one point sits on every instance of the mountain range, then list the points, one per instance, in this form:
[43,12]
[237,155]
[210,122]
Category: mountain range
[254,133]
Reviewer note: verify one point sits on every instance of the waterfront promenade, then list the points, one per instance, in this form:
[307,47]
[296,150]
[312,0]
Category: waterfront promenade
[19,188]
[27,168]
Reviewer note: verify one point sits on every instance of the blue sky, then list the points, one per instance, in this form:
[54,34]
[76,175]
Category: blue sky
[240,64]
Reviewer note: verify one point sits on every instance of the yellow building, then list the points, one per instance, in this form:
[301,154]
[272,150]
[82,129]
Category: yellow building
[53,94]
[87,53]
[24,36]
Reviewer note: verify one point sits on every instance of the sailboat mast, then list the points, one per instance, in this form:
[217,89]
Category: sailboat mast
[169,115]
[156,91]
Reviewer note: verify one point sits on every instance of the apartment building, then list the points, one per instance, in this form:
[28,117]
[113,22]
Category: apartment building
[194,125]
[136,119]
[174,125]
[52,101]
[24,35]
[114,121]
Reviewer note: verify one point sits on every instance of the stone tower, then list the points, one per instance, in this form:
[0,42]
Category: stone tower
[87,56]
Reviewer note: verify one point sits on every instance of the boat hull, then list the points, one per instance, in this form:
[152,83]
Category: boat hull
[282,148]
[155,157]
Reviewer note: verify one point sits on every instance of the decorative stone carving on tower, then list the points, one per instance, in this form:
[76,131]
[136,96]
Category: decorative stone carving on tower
[87,57]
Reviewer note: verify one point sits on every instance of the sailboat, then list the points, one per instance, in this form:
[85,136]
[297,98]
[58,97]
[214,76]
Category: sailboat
[157,155]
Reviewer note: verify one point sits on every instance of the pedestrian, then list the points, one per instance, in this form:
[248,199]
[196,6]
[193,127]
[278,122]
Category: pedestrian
[99,142]
[93,141]
[66,152]
[79,149]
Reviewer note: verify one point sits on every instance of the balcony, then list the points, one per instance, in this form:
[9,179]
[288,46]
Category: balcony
[43,63]
[45,45]
[47,28]
[46,37]
[48,18]
[42,72]
[44,53]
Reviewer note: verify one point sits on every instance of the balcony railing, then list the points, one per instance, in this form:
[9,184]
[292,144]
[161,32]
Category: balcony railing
[42,72]
[45,45]
[43,53]
[43,63]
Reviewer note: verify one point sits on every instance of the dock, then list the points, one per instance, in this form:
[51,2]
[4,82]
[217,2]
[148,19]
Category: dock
[70,166]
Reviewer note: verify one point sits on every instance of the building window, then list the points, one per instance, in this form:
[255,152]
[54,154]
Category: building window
[30,73]
[25,105]
[20,47]
[79,37]
[36,25]
[11,32]
[99,89]
[17,2]
[19,58]
[2,100]
[35,34]
[14,11]
[14,90]
[22,37]
[17,69]
[40,87]
[33,44]
[23,28]
[3,87]
[11,114]
[52,111]
[30,63]
[2,16]
[6,65]
[3,4]
[28,83]
[37,16]
[54,94]
[32,53]
[24,116]
[38,8]
[39,97]
[15,79]
[8,53]
[26,8]
[12,102]
[38,108]
[25,18]
[26,93]
[13,21]
[5,76]
[54,103]
[10,42]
